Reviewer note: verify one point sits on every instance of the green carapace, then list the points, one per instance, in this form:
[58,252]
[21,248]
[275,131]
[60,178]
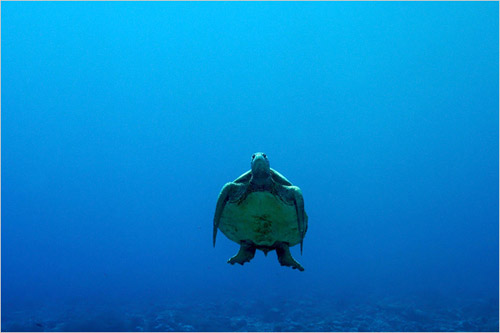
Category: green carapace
[262,210]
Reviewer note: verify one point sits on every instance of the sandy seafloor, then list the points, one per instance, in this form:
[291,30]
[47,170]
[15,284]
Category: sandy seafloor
[275,313]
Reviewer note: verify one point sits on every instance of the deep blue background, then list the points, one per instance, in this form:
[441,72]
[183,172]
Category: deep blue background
[122,121]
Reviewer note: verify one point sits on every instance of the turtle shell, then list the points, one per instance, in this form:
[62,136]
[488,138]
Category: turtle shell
[262,218]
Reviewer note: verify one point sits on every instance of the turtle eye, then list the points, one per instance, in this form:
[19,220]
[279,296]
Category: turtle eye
[265,156]
[253,156]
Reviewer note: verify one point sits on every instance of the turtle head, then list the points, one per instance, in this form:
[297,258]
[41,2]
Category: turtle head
[260,167]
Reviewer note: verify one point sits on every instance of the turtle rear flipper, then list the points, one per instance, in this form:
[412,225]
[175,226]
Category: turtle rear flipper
[285,257]
[245,254]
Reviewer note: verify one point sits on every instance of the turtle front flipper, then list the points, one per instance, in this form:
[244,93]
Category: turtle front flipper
[279,178]
[293,195]
[229,192]
[244,178]
[245,254]
[221,202]
[285,257]
[301,213]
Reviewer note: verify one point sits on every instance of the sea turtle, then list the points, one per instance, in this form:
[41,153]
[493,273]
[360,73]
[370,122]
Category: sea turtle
[261,210]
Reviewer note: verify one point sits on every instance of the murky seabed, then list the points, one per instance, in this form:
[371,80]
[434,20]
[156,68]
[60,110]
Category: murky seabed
[285,314]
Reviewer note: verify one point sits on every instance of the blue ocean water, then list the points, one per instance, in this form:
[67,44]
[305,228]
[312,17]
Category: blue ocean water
[121,122]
